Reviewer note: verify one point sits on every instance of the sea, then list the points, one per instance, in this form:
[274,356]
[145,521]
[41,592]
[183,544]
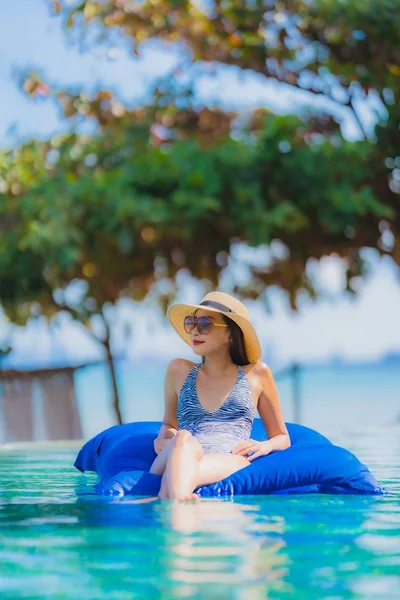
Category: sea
[58,539]
[336,399]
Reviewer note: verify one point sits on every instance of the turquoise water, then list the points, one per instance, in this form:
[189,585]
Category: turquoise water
[58,540]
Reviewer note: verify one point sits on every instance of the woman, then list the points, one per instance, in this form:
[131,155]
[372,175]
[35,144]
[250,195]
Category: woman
[210,407]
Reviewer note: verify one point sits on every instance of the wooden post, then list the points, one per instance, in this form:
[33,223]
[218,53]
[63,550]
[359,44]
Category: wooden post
[38,410]
[294,373]
[2,415]
[296,394]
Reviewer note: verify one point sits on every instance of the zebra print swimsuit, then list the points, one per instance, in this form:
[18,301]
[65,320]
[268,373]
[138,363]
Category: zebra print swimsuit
[219,431]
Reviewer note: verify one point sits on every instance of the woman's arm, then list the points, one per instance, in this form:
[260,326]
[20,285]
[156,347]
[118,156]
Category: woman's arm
[169,426]
[270,412]
[269,409]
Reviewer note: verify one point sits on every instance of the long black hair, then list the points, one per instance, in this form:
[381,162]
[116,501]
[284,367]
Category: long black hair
[237,348]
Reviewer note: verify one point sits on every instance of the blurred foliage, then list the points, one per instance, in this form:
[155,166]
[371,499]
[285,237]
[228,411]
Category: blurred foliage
[122,210]
[172,184]
[342,49]
[347,51]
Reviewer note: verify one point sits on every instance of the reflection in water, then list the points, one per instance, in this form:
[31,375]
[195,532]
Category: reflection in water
[218,546]
[209,546]
[57,539]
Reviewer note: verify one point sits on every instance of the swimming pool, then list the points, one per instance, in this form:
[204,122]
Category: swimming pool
[58,540]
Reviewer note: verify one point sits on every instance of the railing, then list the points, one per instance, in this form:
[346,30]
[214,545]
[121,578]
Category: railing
[294,372]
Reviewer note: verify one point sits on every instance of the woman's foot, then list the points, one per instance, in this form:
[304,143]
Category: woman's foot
[164,493]
[183,497]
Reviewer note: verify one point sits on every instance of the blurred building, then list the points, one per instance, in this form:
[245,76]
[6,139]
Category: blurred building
[38,405]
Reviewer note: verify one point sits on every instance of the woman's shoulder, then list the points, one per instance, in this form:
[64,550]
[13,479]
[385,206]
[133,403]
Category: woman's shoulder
[180,366]
[258,368]
[177,372]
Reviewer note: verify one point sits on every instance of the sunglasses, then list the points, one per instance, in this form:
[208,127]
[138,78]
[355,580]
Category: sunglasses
[203,324]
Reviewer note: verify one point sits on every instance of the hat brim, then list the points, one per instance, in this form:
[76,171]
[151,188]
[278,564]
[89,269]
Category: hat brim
[177,313]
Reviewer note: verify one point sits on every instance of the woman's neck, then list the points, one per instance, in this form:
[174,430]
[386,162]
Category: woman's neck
[217,365]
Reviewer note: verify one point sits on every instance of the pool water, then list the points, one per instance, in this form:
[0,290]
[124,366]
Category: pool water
[58,540]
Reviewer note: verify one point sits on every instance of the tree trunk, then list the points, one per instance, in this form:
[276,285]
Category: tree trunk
[110,362]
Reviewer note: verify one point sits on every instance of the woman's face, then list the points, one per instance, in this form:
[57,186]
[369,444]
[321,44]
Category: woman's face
[215,340]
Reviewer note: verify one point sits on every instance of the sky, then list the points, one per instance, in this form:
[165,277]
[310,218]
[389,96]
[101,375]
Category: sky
[361,328]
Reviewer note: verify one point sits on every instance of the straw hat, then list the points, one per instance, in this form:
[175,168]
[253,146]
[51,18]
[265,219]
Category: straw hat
[225,305]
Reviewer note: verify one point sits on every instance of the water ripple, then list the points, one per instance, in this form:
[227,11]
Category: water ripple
[55,542]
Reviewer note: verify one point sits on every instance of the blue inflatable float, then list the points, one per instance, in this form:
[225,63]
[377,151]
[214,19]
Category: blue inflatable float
[122,455]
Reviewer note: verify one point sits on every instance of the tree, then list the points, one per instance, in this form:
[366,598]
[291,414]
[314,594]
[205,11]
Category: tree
[173,185]
[122,222]
[347,51]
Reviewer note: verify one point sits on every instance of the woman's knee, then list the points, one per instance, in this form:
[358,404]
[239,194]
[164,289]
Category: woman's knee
[185,440]
[183,437]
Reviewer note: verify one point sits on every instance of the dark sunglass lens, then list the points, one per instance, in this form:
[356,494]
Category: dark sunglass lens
[204,325]
[189,324]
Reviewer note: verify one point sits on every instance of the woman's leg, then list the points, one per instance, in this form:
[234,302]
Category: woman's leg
[214,467]
[182,468]
[188,468]
[163,493]
[160,462]
[187,453]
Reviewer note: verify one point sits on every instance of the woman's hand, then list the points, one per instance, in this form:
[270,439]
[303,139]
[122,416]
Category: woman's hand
[254,448]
